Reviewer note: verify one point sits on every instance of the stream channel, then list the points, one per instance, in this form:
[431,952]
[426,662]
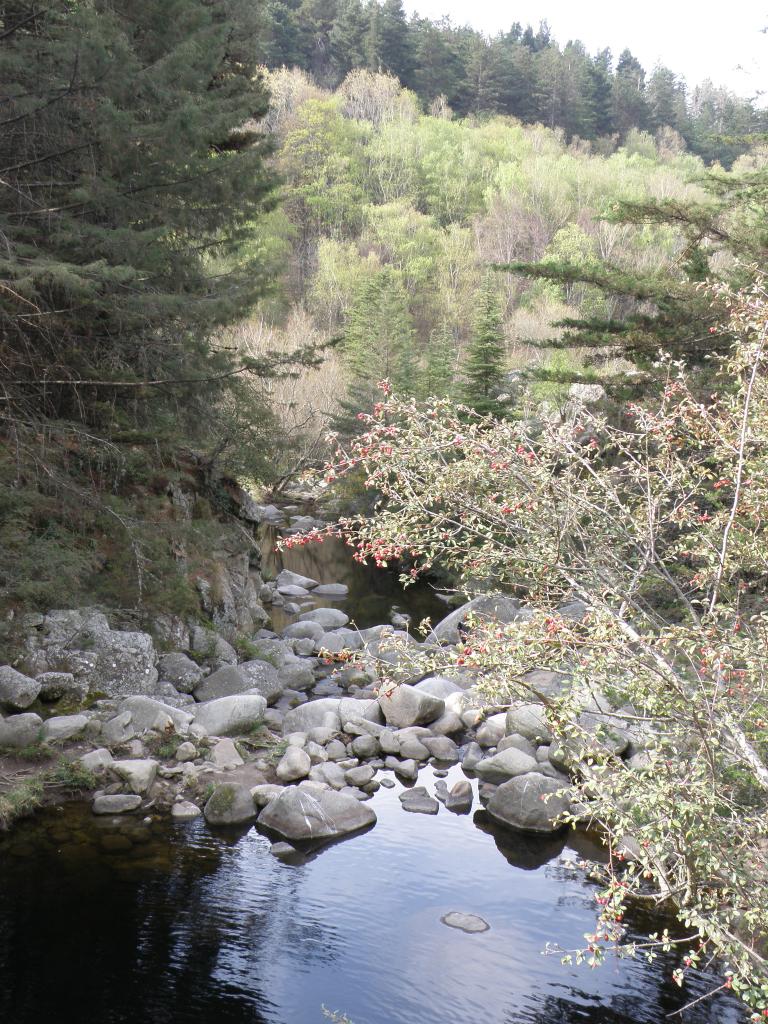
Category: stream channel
[144,922]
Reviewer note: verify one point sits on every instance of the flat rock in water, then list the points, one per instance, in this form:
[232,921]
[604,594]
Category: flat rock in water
[117,803]
[328,618]
[297,814]
[332,590]
[405,705]
[469,923]
[295,579]
[230,804]
[185,810]
[421,804]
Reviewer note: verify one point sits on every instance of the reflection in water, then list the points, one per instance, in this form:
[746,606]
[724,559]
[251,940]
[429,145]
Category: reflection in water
[110,922]
[372,592]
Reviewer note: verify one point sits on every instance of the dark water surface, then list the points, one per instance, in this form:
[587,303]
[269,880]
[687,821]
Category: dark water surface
[372,592]
[115,921]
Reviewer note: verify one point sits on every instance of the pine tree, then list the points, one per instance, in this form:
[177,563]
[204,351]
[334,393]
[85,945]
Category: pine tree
[436,378]
[347,38]
[666,307]
[395,42]
[483,370]
[630,107]
[378,343]
[133,178]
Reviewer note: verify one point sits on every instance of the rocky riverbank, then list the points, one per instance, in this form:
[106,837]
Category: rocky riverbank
[281,728]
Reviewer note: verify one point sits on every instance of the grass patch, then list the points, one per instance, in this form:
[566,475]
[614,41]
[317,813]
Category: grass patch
[20,800]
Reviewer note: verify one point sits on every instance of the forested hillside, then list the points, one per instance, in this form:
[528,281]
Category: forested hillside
[391,221]
[523,72]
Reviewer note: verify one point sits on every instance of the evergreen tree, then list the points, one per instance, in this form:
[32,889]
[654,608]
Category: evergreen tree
[378,344]
[316,19]
[630,107]
[131,191]
[395,42]
[347,38]
[437,375]
[666,308]
[666,101]
[483,370]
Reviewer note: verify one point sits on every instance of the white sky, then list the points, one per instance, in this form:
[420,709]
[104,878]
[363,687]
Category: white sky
[698,39]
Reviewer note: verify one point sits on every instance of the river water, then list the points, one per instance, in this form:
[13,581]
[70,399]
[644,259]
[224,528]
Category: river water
[144,922]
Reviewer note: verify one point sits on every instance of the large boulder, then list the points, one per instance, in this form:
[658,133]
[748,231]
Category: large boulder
[328,618]
[506,765]
[488,607]
[17,691]
[230,716]
[529,803]
[438,686]
[148,714]
[19,731]
[294,579]
[224,682]
[312,715]
[58,685]
[230,804]
[110,661]
[352,710]
[138,774]
[530,721]
[295,764]
[180,670]
[405,705]
[298,814]
[63,727]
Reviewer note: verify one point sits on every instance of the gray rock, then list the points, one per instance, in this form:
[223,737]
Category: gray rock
[418,803]
[365,746]
[230,716]
[226,756]
[442,748]
[116,803]
[297,815]
[316,713]
[96,760]
[359,776]
[331,590]
[17,691]
[438,686]
[294,764]
[354,710]
[119,729]
[528,803]
[405,705]
[304,631]
[263,678]
[519,742]
[320,735]
[506,765]
[488,607]
[459,799]
[19,731]
[389,741]
[491,732]
[317,754]
[297,676]
[55,685]
[408,769]
[181,671]
[411,747]
[148,714]
[447,724]
[529,720]
[264,793]
[63,727]
[214,648]
[186,751]
[224,682]
[230,804]
[185,810]
[336,750]
[330,773]
[295,579]
[292,591]
[138,774]
[471,757]
[470,923]
[328,618]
